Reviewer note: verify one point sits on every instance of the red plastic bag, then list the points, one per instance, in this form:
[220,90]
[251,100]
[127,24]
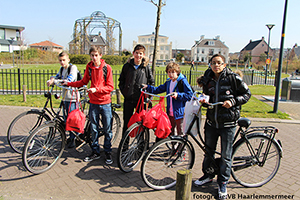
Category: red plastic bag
[76,118]
[139,112]
[164,126]
[75,121]
[151,117]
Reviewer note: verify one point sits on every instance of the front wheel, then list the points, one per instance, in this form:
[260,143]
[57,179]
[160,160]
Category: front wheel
[133,147]
[43,148]
[22,126]
[247,168]
[161,163]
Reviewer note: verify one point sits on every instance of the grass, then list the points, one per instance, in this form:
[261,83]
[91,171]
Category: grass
[253,108]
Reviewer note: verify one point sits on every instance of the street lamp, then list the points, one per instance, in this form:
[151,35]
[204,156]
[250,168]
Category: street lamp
[270,26]
[11,41]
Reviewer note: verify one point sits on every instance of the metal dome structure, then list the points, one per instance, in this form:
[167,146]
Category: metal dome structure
[85,30]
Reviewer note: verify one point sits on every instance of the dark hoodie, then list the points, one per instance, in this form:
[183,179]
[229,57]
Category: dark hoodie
[131,79]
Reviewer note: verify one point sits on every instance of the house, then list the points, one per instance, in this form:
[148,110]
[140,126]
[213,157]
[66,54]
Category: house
[185,52]
[204,49]
[93,40]
[255,49]
[47,46]
[164,49]
[10,38]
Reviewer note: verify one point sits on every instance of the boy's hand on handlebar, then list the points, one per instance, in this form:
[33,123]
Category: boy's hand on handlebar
[227,104]
[91,90]
[64,83]
[144,86]
[174,95]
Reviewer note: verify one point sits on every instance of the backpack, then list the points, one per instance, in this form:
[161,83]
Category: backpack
[79,76]
[104,72]
[180,86]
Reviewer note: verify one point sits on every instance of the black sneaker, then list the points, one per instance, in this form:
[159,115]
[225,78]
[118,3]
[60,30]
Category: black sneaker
[71,143]
[92,157]
[108,158]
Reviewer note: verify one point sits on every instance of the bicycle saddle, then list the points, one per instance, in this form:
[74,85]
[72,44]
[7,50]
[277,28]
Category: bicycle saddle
[244,122]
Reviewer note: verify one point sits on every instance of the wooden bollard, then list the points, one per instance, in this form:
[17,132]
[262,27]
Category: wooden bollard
[24,93]
[118,93]
[183,184]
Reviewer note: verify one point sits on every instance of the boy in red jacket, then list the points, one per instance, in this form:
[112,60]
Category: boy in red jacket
[100,102]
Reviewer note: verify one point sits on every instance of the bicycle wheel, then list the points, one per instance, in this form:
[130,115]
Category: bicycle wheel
[115,128]
[246,170]
[160,165]
[132,147]
[43,148]
[24,124]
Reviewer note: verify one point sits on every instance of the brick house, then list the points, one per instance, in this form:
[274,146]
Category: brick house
[47,46]
[255,49]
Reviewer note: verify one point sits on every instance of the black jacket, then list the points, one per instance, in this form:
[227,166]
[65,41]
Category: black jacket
[221,90]
[131,79]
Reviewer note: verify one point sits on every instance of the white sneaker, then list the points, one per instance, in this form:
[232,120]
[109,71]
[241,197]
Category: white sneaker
[203,180]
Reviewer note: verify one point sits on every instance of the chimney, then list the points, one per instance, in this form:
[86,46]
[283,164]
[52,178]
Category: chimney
[99,34]
[262,38]
[201,37]
[250,40]
[217,37]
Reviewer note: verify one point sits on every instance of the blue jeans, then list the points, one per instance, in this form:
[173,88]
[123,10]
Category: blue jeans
[66,112]
[211,139]
[106,119]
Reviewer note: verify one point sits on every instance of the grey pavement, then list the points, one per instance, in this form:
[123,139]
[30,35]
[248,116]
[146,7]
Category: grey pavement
[71,178]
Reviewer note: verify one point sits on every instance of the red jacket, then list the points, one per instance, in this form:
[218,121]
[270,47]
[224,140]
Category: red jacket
[103,89]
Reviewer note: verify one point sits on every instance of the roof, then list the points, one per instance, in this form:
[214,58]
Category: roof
[251,45]
[20,28]
[45,44]
[205,42]
[151,35]
[97,40]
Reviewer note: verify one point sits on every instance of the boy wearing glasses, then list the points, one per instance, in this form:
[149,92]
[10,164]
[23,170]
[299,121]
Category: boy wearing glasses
[222,85]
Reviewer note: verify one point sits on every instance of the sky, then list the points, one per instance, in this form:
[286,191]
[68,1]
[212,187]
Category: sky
[235,21]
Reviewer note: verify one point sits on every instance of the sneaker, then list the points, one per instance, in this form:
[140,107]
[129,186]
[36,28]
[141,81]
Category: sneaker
[92,157]
[222,190]
[108,158]
[203,180]
[71,143]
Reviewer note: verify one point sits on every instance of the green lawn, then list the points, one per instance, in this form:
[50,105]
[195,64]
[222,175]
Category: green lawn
[254,108]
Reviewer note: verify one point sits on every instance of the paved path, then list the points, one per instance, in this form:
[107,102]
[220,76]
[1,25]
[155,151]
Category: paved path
[71,178]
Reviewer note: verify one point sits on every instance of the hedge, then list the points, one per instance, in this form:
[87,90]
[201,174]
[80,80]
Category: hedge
[111,59]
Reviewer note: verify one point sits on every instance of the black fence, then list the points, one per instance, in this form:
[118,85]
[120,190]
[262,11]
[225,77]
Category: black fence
[12,80]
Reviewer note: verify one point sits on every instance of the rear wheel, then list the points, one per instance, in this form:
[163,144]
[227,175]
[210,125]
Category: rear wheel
[22,126]
[246,169]
[161,163]
[132,147]
[43,148]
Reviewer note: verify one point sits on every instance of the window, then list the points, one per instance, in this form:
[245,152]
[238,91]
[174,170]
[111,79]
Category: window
[203,50]
[167,48]
[162,40]
[161,57]
[211,43]
[143,40]
[210,52]
[202,59]
[2,34]
[167,57]
[161,48]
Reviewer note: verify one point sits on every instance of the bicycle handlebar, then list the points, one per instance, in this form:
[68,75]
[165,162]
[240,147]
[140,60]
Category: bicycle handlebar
[155,94]
[71,89]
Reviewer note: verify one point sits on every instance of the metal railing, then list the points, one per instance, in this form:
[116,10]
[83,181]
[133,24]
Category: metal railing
[12,80]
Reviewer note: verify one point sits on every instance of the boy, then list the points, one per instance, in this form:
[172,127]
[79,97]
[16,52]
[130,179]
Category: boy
[134,73]
[63,74]
[182,92]
[100,102]
[221,120]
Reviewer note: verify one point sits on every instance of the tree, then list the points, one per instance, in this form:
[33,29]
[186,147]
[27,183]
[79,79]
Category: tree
[179,57]
[262,57]
[247,57]
[159,5]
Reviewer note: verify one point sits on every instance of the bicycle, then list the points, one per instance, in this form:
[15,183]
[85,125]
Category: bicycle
[46,143]
[255,159]
[25,123]
[135,143]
